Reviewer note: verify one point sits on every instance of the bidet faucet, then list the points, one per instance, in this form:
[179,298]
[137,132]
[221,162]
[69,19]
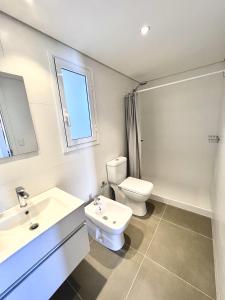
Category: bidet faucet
[22,195]
[96,200]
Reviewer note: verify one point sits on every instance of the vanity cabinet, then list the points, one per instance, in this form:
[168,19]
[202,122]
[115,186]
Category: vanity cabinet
[38,269]
[44,280]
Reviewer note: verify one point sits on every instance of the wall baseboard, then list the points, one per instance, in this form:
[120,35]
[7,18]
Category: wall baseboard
[183,205]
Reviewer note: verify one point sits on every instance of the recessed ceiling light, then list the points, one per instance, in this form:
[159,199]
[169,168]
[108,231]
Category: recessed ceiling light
[145,29]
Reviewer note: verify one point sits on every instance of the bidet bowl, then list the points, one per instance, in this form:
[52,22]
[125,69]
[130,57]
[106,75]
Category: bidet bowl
[114,217]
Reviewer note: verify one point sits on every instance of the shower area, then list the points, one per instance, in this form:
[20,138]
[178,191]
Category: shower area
[179,120]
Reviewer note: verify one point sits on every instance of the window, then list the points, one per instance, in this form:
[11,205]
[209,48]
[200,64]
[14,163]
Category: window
[77,104]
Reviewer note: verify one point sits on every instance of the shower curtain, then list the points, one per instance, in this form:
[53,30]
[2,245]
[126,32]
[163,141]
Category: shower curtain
[133,135]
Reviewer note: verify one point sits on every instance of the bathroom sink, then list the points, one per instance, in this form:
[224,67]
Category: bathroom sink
[19,226]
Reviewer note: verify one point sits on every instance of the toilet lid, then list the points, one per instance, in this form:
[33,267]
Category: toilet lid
[137,186]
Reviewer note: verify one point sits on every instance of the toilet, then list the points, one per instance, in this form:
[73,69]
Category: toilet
[130,191]
[106,221]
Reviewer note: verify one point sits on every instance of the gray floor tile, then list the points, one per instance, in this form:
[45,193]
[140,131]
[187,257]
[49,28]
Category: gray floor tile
[156,283]
[140,232]
[186,253]
[155,208]
[65,292]
[105,274]
[189,220]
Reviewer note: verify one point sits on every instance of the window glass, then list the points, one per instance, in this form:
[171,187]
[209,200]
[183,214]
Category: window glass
[76,97]
[4,145]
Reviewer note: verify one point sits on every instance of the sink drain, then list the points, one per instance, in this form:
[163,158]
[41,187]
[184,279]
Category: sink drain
[34,226]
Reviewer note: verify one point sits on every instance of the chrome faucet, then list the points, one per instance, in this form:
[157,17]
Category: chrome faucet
[96,200]
[22,195]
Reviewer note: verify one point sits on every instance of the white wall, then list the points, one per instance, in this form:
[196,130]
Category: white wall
[218,207]
[27,52]
[176,122]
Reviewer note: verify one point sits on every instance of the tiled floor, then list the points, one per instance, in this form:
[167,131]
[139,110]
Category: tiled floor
[167,256]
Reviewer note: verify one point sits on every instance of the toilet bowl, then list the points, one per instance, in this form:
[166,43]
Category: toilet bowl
[106,222]
[130,191]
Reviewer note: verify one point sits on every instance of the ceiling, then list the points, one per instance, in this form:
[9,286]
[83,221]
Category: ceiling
[184,34]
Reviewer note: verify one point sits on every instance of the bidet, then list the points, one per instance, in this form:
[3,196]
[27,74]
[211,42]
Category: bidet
[107,225]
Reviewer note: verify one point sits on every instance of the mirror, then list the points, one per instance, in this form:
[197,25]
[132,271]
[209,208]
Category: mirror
[17,135]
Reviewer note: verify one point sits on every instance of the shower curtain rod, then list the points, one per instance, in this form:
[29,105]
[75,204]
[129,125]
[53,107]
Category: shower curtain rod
[180,81]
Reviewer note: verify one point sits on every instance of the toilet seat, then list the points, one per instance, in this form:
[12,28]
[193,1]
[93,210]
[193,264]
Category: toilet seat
[137,186]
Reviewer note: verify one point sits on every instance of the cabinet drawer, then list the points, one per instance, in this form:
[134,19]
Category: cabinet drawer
[44,280]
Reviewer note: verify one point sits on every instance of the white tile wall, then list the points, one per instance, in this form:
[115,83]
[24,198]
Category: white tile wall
[218,207]
[176,122]
[29,53]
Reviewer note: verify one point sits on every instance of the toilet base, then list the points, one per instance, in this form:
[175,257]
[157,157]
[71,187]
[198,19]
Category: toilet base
[111,241]
[138,208]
